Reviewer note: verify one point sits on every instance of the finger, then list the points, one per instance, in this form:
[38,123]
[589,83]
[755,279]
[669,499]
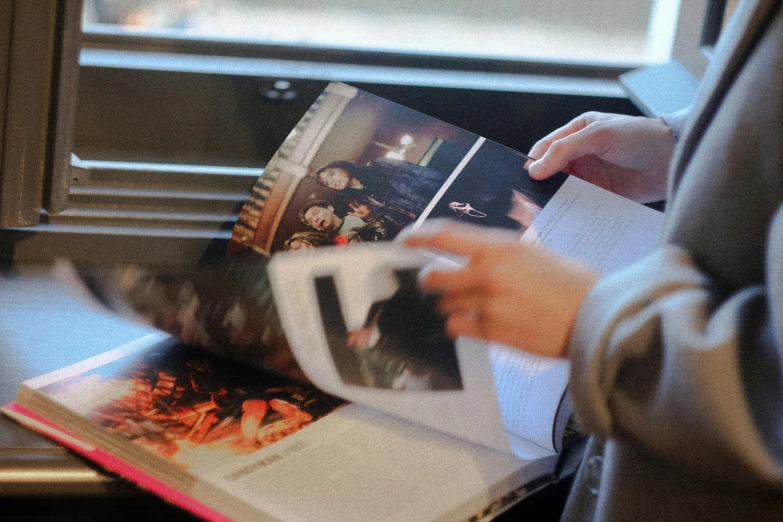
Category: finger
[575,125]
[451,281]
[474,324]
[466,323]
[570,148]
[457,240]
[541,147]
[454,302]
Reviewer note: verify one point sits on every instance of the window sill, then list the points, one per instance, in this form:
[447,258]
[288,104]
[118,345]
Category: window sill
[551,83]
[661,89]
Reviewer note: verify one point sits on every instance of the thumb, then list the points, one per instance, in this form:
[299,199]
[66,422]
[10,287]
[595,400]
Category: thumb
[564,151]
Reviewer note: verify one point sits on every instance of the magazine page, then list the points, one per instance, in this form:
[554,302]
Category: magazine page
[179,414]
[225,308]
[365,465]
[357,169]
[589,224]
[531,392]
[362,330]
[595,226]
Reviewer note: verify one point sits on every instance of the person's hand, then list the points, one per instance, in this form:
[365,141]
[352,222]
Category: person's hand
[514,293]
[360,210]
[628,155]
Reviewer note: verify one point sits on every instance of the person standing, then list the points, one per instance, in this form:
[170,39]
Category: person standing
[677,361]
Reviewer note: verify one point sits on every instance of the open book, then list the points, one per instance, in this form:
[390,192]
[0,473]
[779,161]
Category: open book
[318,384]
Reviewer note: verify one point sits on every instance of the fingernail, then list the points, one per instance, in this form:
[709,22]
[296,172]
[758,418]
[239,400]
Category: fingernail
[534,167]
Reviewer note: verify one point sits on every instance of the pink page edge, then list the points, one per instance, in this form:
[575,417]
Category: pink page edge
[112,463]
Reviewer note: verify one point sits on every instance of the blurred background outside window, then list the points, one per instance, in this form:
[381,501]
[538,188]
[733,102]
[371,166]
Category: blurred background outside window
[583,31]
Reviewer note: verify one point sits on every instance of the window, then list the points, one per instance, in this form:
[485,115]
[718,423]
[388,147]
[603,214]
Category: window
[591,31]
[664,88]
[173,121]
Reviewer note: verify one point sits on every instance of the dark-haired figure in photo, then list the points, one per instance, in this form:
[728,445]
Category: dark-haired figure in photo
[358,225]
[321,216]
[395,189]
[305,241]
[403,345]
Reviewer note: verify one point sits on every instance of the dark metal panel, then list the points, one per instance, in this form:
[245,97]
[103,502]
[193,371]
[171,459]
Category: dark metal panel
[713,22]
[215,119]
[107,245]
[27,112]
[6,11]
[67,46]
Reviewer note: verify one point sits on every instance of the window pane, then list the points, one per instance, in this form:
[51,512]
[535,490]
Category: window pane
[599,31]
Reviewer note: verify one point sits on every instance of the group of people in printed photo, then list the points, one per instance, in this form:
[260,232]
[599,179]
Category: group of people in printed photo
[366,203]
[375,201]
[190,408]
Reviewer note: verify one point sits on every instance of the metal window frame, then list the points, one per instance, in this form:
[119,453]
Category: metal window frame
[672,86]
[37,90]
[161,42]
[101,239]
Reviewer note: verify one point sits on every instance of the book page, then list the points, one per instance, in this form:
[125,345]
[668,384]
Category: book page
[530,389]
[363,465]
[591,225]
[262,447]
[352,174]
[361,330]
[224,308]
[597,227]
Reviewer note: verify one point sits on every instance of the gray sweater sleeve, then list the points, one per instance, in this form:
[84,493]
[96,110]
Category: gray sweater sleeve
[663,359]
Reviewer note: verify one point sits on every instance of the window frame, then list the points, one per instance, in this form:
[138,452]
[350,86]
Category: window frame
[425,74]
[30,30]
[672,86]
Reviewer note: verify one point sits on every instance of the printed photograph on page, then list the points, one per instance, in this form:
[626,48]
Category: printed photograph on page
[225,308]
[356,169]
[494,189]
[191,409]
[401,346]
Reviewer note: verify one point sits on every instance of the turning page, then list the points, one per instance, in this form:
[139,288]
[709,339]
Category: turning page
[361,329]
[354,173]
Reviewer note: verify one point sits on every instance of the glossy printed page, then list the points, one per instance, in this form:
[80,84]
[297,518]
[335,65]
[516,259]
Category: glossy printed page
[406,365]
[225,308]
[181,405]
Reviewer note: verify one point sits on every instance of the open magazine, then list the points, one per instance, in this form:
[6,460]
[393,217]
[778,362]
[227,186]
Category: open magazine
[349,402]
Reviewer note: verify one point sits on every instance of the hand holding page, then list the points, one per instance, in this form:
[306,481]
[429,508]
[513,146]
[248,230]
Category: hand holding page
[397,370]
